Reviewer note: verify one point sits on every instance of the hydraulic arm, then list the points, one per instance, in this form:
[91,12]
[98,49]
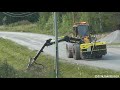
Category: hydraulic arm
[48,43]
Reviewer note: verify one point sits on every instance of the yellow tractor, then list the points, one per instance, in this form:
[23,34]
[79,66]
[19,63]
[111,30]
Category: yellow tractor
[88,47]
[80,45]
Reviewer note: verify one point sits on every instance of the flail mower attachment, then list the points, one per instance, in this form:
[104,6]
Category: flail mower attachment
[32,60]
[48,43]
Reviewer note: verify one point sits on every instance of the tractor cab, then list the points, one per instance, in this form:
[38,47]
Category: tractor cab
[81,30]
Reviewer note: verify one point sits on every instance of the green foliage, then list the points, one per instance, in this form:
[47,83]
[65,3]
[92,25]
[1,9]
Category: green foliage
[66,25]
[23,22]
[14,59]
[6,71]
[49,24]
[99,21]
[8,19]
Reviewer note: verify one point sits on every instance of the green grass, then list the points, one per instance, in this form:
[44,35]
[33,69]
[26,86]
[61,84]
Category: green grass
[83,71]
[32,27]
[14,60]
[114,44]
[20,28]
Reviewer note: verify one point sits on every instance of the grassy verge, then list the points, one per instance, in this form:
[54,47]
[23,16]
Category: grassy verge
[33,28]
[14,60]
[114,44]
[20,28]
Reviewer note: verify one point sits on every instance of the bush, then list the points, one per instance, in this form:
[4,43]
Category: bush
[6,71]
[23,22]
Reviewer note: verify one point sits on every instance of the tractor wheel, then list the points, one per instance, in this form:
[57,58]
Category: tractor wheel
[99,56]
[76,51]
[81,56]
[69,50]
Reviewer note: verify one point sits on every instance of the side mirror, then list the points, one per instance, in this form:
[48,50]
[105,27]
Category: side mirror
[93,38]
[93,32]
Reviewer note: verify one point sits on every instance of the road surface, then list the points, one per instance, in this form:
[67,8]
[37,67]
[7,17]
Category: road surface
[35,42]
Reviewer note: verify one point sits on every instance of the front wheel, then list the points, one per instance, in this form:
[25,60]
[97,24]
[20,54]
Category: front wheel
[76,51]
[69,50]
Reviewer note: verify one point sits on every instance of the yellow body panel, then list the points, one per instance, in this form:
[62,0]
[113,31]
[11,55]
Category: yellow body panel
[87,45]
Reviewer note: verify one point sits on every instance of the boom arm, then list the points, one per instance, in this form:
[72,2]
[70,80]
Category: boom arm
[48,43]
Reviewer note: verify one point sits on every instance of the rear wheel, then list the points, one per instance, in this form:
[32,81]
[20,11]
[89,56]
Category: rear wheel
[99,56]
[81,55]
[76,51]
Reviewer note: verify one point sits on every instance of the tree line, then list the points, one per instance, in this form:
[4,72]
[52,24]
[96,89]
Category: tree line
[12,17]
[99,21]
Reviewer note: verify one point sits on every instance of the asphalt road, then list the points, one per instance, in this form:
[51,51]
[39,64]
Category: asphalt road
[35,42]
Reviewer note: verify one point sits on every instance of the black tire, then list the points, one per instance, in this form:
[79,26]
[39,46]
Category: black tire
[99,56]
[69,50]
[81,56]
[76,51]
